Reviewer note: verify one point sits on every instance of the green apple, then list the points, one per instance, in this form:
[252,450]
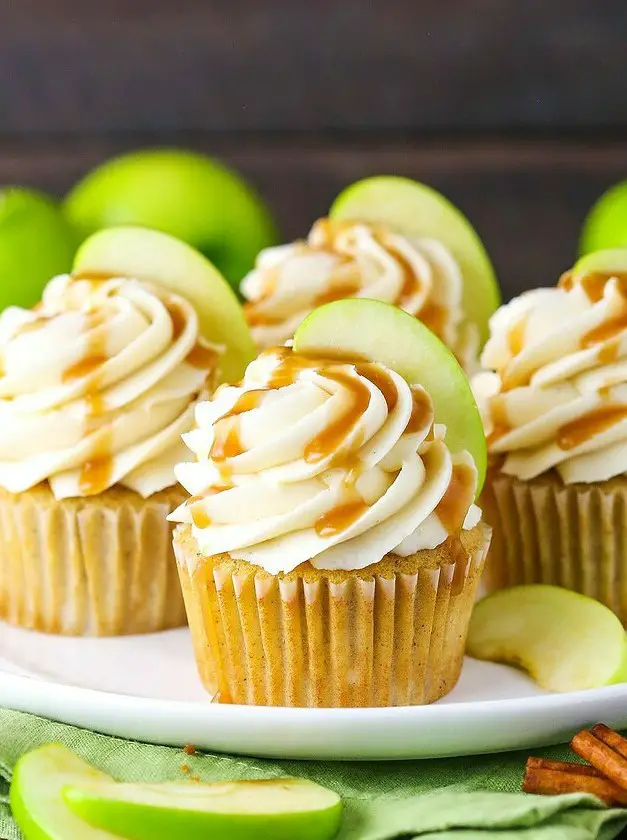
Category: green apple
[273,809]
[380,332]
[36,242]
[36,801]
[416,210]
[607,261]
[185,194]
[159,258]
[605,226]
[566,641]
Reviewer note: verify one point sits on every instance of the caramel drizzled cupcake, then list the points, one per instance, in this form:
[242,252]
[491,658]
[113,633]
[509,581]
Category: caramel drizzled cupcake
[387,239]
[555,412]
[330,550]
[98,383]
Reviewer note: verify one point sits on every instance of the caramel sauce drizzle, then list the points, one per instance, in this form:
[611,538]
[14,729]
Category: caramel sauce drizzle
[433,316]
[332,437]
[93,276]
[338,290]
[339,518]
[420,410]
[579,431]
[594,283]
[95,474]
[603,335]
[203,358]
[451,511]
[178,318]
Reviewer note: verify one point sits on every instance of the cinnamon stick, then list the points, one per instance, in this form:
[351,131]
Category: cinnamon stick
[604,749]
[551,778]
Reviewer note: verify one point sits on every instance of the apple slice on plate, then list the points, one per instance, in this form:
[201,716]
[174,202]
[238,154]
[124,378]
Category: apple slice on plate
[379,332]
[161,259]
[566,641]
[273,809]
[35,795]
[416,210]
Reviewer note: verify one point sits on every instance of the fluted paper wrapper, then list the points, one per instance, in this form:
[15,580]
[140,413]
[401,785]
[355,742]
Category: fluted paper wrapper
[101,565]
[329,639]
[571,535]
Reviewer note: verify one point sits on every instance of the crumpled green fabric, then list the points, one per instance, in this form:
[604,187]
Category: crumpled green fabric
[469,798]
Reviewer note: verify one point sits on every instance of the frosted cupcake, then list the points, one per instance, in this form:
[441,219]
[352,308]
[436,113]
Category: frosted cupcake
[98,383]
[555,411]
[387,239]
[330,550]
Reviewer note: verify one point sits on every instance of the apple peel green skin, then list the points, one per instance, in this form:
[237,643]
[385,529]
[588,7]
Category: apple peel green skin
[608,260]
[416,210]
[564,640]
[36,802]
[273,809]
[379,332]
[605,226]
[36,243]
[161,259]
[183,193]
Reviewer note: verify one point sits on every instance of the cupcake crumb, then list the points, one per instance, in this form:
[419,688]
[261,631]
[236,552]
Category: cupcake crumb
[189,749]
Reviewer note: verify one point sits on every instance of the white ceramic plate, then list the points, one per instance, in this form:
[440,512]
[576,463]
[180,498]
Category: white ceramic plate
[146,688]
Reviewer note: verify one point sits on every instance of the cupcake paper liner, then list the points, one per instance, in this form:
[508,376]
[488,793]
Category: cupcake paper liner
[98,566]
[570,535]
[329,639]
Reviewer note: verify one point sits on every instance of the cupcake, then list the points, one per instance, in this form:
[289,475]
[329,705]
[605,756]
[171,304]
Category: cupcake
[98,383]
[554,402]
[330,550]
[387,239]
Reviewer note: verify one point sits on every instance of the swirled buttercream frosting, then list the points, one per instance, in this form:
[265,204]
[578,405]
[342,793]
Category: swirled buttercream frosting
[353,259]
[329,461]
[555,394]
[98,383]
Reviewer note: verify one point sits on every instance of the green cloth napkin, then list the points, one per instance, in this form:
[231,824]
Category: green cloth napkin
[448,799]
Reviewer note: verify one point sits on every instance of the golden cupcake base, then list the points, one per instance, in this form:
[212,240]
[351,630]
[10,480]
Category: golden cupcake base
[391,634]
[95,566]
[570,535]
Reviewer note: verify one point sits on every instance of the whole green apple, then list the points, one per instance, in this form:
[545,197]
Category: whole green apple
[183,193]
[605,226]
[36,242]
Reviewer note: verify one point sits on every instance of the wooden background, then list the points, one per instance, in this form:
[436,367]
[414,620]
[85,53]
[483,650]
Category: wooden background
[517,111]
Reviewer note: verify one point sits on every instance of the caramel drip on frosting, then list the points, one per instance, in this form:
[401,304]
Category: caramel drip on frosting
[340,518]
[579,431]
[95,474]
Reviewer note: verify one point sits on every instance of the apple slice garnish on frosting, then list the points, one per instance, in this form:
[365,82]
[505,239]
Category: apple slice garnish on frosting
[415,210]
[161,259]
[612,261]
[368,330]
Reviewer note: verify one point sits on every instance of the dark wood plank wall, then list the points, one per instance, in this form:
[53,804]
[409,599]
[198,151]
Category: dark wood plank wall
[518,111]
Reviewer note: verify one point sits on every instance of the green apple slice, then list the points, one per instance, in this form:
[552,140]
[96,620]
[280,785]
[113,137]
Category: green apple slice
[161,259]
[274,809]
[183,193]
[608,261]
[36,243]
[605,226]
[36,801]
[566,641]
[416,210]
[380,332]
